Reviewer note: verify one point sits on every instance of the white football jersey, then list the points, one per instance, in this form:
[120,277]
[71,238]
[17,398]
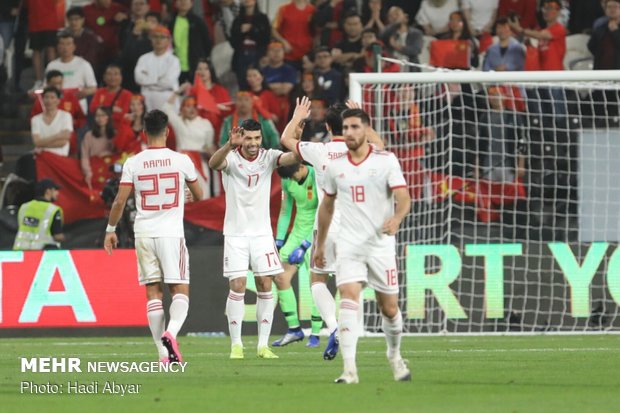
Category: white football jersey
[366,201]
[247,183]
[158,177]
[319,155]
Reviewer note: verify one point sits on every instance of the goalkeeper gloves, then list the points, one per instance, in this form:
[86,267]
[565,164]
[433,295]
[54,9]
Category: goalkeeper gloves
[279,244]
[297,255]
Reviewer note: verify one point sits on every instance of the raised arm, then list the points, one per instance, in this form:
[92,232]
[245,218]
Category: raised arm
[218,160]
[289,137]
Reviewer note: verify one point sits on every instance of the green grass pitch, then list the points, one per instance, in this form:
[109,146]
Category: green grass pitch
[450,374]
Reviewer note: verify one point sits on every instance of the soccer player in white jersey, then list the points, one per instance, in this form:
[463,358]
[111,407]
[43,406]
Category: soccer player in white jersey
[366,182]
[157,176]
[319,155]
[248,236]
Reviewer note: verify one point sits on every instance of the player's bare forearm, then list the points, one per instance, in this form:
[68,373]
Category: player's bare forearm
[403,203]
[196,190]
[289,137]
[116,212]
[218,160]
[326,213]
[118,206]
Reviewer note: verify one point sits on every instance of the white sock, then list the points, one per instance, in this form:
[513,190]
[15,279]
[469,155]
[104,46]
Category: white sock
[178,313]
[157,323]
[347,333]
[235,311]
[264,316]
[393,329]
[326,304]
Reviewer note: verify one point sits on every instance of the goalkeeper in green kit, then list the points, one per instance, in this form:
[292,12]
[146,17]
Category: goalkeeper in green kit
[298,187]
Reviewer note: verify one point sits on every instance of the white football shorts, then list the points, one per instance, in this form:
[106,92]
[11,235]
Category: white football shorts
[257,253]
[330,254]
[378,272]
[162,259]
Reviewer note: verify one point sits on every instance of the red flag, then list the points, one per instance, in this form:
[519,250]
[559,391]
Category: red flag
[204,98]
[453,54]
[74,197]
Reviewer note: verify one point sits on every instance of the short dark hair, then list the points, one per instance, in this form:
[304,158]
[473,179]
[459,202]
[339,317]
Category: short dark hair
[109,130]
[154,14]
[50,74]
[333,118]
[252,125]
[288,171]
[65,35]
[155,123]
[558,2]
[51,89]
[504,20]
[75,11]
[356,113]
[351,13]
[113,66]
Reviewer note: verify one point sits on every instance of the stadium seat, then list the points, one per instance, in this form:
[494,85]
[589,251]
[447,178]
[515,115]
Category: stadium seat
[576,51]
[425,54]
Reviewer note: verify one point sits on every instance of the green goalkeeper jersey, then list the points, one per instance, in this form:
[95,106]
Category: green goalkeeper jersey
[306,201]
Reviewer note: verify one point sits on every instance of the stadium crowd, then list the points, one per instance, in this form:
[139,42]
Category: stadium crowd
[99,65]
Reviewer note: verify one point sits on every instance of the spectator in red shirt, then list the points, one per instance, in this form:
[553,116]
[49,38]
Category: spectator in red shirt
[551,50]
[43,23]
[112,95]
[524,10]
[206,73]
[292,27]
[130,138]
[104,17]
[87,43]
[551,40]
[267,100]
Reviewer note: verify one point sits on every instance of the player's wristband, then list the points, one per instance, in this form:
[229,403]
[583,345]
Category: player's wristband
[110,228]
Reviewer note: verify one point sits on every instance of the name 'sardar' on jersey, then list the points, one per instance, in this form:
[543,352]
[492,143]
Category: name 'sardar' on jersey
[156,163]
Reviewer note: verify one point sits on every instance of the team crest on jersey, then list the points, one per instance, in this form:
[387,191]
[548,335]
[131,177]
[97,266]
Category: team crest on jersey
[341,175]
[240,166]
[372,172]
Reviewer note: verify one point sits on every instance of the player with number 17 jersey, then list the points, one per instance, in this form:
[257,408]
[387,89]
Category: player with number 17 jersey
[247,183]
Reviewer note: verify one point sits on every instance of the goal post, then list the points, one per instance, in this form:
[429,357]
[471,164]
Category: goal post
[515,183]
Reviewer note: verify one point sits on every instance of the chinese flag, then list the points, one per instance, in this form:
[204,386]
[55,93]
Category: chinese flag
[60,13]
[453,54]
[204,98]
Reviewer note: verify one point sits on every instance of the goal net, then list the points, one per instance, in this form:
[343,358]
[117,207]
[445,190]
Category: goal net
[515,183]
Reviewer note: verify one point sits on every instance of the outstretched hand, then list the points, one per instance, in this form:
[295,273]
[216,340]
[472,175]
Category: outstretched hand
[302,110]
[353,105]
[235,136]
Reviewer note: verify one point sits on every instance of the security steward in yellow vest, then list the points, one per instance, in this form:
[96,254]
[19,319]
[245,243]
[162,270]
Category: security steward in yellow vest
[40,221]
